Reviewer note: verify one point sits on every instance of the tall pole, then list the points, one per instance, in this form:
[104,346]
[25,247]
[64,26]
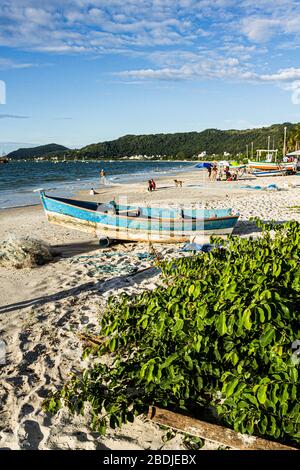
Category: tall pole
[247,151]
[284,142]
[269,138]
[252,151]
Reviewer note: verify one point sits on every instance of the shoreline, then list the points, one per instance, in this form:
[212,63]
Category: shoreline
[70,187]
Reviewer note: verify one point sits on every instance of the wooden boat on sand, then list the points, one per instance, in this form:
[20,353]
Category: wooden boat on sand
[110,221]
[269,173]
[273,166]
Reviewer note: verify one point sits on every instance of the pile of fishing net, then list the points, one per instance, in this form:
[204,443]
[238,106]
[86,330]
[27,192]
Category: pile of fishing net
[24,252]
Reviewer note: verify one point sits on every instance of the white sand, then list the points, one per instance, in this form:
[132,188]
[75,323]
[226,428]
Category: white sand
[42,310]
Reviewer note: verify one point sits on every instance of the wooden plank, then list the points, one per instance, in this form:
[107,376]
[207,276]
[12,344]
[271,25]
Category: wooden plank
[212,432]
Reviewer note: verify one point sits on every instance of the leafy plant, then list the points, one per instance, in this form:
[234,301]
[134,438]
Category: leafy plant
[193,442]
[216,335]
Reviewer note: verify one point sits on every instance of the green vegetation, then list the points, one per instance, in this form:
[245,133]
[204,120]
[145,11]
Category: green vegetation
[187,144]
[294,138]
[217,334]
[30,153]
[179,146]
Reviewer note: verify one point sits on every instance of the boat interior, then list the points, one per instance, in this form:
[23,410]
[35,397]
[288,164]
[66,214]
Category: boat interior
[112,208]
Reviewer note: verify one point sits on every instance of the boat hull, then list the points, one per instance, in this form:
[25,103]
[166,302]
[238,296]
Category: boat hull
[268,166]
[269,173]
[131,228]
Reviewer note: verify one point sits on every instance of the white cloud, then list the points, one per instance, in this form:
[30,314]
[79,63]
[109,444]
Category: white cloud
[205,67]
[294,87]
[283,75]
[175,39]
[260,29]
[228,69]
[13,116]
[10,64]
[141,23]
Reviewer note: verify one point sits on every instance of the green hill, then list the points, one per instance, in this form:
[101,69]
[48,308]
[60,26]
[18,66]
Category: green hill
[180,145]
[28,153]
[186,144]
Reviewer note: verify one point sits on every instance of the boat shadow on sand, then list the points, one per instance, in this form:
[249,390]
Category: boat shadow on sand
[68,250]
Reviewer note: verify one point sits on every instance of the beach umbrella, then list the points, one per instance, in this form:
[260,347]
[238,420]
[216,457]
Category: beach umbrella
[203,165]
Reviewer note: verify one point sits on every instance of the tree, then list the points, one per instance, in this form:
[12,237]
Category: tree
[294,138]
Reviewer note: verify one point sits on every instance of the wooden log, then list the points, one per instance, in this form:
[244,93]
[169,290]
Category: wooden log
[212,432]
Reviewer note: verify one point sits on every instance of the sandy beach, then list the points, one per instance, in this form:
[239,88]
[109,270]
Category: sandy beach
[43,310]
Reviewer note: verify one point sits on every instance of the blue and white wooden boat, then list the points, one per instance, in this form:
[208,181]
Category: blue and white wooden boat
[135,223]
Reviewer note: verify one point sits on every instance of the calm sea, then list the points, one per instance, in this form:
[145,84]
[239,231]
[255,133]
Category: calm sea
[18,180]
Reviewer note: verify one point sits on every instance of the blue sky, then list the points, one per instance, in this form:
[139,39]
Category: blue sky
[80,71]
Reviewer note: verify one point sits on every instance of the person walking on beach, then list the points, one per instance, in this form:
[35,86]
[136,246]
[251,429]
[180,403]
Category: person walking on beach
[214,172]
[153,184]
[209,171]
[103,177]
[227,173]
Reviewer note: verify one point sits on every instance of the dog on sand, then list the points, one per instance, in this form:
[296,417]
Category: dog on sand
[178,183]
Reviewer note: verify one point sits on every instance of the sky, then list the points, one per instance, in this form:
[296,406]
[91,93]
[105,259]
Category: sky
[77,72]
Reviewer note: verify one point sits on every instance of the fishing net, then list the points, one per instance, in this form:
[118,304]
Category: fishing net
[24,252]
[109,264]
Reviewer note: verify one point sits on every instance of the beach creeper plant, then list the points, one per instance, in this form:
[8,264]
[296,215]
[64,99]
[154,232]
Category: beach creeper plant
[216,335]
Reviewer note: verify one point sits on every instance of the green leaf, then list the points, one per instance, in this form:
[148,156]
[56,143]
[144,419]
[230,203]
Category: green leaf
[267,336]
[246,319]
[112,344]
[262,393]
[230,387]
[191,289]
[261,314]
[178,326]
[221,324]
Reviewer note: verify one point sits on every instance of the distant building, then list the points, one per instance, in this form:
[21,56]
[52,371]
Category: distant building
[202,154]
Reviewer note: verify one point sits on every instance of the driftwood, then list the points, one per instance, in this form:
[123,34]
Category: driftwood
[212,432]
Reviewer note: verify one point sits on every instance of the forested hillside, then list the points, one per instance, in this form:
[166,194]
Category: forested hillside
[28,153]
[179,145]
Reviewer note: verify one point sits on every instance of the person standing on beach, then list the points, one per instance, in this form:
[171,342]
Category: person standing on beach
[214,172]
[209,171]
[103,177]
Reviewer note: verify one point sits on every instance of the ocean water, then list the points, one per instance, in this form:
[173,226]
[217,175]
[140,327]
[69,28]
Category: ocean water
[19,180]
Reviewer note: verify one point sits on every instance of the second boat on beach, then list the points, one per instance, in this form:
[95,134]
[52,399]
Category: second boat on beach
[124,222]
[273,166]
